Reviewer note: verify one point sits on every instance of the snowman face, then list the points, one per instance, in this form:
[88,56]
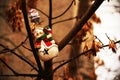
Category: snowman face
[38,32]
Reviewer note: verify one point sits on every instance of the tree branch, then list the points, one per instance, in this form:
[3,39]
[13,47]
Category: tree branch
[26,48]
[42,12]
[30,36]
[16,73]
[64,11]
[48,64]
[50,13]
[22,58]
[78,26]
[80,54]
[71,18]
[5,50]
[9,67]
[25,75]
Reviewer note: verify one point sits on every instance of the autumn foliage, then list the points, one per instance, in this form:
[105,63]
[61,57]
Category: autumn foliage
[16,21]
[15,16]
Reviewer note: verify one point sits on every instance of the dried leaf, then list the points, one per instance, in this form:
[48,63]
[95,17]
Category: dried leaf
[14,16]
[88,54]
[112,46]
[86,28]
[96,19]
[98,46]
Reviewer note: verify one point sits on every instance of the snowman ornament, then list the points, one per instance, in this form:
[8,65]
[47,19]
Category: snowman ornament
[44,43]
[34,16]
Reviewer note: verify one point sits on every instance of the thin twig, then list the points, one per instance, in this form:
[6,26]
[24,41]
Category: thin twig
[71,18]
[99,40]
[23,75]
[4,50]
[26,48]
[21,43]
[107,36]
[61,61]
[64,11]
[42,12]
[114,43]
[9,67]
[60,21]
[22,58]
[80,54]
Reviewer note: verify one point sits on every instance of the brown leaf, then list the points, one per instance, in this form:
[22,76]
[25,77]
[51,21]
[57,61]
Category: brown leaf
[88,54]
[14,16]
[96,19]
[98,46]
[85,28]
[112,46]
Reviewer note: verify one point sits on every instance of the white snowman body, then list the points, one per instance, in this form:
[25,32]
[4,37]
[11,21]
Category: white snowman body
[47,49]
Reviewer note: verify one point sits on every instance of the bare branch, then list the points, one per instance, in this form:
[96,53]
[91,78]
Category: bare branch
[64,11]
[80,23]
[26,48]
[9,67]
[42,12]
[48,64]
[107,36]
[22,58]
[50,13]
[6,50]
[80,54]
[99,40]
[30,36]
[114,43]
[16,73]
[71,18]
[23,75]
[60,21]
